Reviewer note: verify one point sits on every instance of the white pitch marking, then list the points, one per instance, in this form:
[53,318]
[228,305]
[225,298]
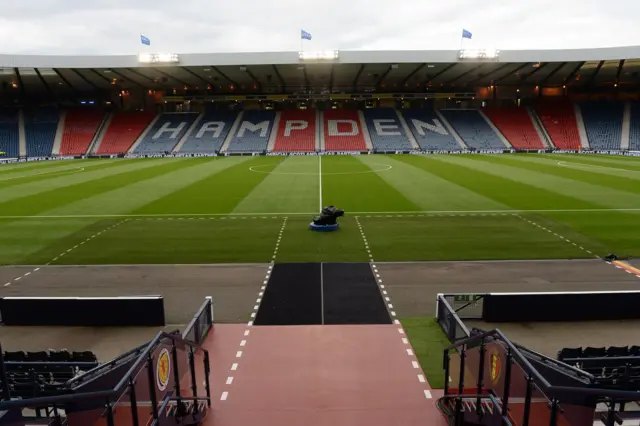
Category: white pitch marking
[224,396]
[243,343]
[27,274]
[239,354]
[381,286]
[253,314]
[397,322]
[384,291]
[401,331]
[246,332]
[250,323]
[37,269]
[415,364]
[255,308]
[17,279]
[405,340]
[386,298]
[260,294]
[421,378]
[393,313]
[390,306]
[234,366]
[427,394]
[7,284]
[229,380]
[263,287]
[409,352]
[258,300]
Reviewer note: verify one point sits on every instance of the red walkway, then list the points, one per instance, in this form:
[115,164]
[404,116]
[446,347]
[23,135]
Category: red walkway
[317,375]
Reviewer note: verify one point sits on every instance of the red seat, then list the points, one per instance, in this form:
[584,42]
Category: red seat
[296,131]
[342,131]
[559,119]
[80,126]
[123,130]
[516,125]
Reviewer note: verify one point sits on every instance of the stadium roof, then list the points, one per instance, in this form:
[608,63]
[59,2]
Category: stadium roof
[353,71]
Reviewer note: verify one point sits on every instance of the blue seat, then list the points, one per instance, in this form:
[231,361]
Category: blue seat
[634,131]
[9,139]
[386,131]
[473,128]
[40,127]
[603,123]
[165,133]
[429,131]
[210,132]
[252,135]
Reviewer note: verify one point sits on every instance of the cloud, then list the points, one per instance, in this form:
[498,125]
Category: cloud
[190,26]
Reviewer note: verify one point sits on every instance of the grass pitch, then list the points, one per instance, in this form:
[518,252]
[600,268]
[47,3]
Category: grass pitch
[411,208]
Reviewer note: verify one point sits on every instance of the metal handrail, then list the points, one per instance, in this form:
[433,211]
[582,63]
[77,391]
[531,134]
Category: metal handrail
[442,299]
[115,392]
[541,382]
[206,305]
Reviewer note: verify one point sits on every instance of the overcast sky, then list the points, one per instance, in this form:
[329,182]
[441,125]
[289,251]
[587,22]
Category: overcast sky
[199,26]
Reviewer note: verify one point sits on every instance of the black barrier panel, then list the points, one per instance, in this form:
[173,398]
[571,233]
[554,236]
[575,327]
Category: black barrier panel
[578,306]
[83,311]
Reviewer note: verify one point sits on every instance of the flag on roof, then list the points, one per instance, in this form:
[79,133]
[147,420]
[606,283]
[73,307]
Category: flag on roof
[144,40]
[305,35]
[466,33]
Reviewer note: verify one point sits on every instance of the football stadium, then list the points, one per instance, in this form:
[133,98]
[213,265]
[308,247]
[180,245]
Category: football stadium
[321,238]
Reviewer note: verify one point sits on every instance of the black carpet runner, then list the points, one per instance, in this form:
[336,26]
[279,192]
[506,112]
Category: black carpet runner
[327,293]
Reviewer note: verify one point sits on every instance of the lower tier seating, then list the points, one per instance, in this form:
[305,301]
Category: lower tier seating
[473,128]
[559,120]
[342,131]
[603,123]
[296,131]
[123,130]
[516,125]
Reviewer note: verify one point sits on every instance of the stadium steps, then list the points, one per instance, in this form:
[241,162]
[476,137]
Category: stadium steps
[365,130]
[144,134]
[497,131]
[57,140]
[542,132]
[102,129]
[626,126]
[320,145]
[190,130]
[234,129]
[273,137]
[582,131]
[451,129]
[407,130]
[22,136]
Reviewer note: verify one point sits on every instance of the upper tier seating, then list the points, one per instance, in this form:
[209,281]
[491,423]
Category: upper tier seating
[210,132]
[342,131]
[516,125]
[9,139]
[80,126]
[165,133]
[296,131]
[559,119]
[428,130]
[44,373]
[603,123]
[386,130]
[40,126]
[252,135]
[123,130]
[634,131]
[473,128]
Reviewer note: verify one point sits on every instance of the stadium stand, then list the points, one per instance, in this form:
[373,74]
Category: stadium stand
[516,125]
[603,123]
[253,132]
[80,126]
[123,130]
[210,132]
[473,128]
[40,126]
[342,131]
[9,139]
[634,128]
[428,130]
[616,367]
[165,133]
[296,131]
[386,130]
[44,373]
[559,119]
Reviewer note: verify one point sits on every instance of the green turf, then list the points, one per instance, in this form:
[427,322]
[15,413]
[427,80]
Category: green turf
[428,342]
[411,207]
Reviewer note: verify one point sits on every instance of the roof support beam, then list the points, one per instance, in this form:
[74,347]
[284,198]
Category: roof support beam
[253,77]
[117,84]
[517,70]
[500,68]
[126,78]
[383,76]
[412,73]
[223,75]
[331,79]
[620,65]
[552,73]
[67,82]
[19,77]
[306,78]
[537,69]
[454,79]
[355,80]
[573,74]
[185,84]
[595,74]
[204,80]
[280,79]
[43,81]
[85,79]
[439,73]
